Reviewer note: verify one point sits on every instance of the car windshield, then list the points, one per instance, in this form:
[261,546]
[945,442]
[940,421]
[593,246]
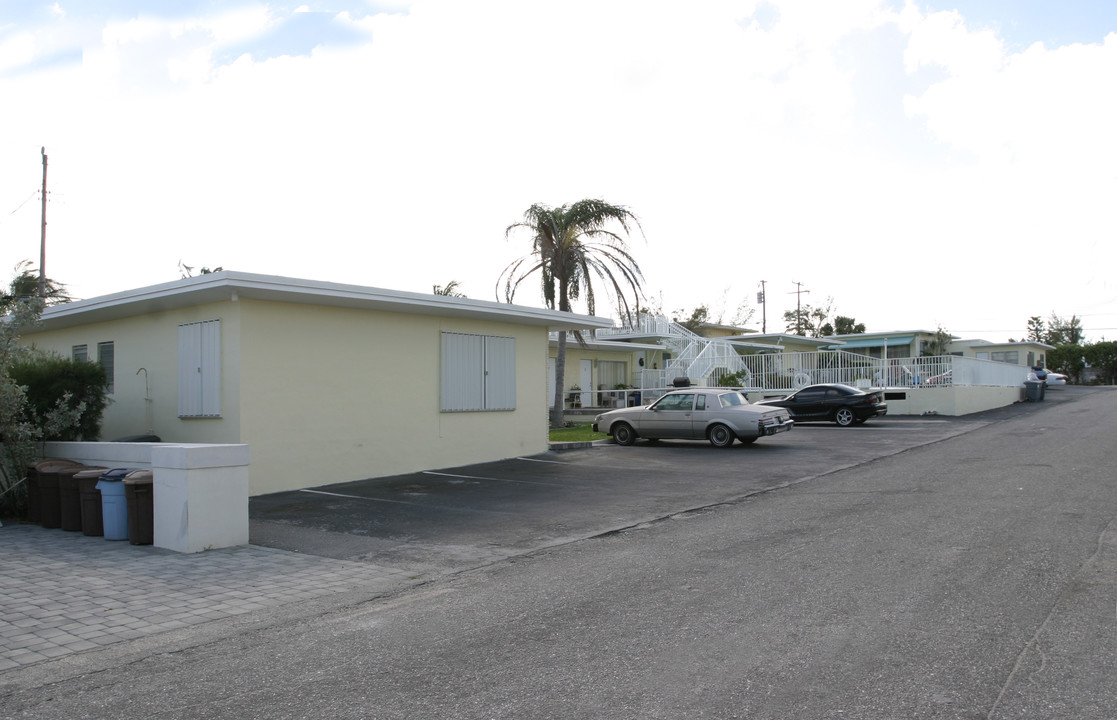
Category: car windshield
[730,399]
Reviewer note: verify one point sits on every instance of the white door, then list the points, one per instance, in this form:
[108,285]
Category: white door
[585,381]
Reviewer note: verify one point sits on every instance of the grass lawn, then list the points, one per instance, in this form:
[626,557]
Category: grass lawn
[580,431]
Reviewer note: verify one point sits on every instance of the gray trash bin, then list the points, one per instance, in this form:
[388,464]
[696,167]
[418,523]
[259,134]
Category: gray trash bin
[1033,390]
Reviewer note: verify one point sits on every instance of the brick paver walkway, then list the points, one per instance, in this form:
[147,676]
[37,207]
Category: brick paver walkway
[62,592]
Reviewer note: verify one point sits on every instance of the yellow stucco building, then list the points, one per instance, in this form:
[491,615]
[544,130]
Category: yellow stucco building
[324,382]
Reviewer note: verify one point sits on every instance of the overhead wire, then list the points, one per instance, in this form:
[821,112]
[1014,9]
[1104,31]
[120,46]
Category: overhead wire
[20,206]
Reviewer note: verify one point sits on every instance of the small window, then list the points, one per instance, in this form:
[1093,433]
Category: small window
[106,355]
[80,353]
[700,403]
[1012,357]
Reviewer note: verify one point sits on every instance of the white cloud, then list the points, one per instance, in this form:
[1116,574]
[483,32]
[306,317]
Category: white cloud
[17,51]
[748,148]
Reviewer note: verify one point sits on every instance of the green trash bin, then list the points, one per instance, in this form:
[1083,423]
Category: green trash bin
[139,489]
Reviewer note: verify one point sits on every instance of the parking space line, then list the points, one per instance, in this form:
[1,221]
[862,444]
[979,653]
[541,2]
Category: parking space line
[553,462]
[406,502]
[477,477]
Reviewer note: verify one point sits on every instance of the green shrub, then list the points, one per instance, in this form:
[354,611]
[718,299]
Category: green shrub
[54,383]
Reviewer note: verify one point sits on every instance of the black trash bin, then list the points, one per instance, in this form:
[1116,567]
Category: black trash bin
[92,519]
[34,493]
[1034,390]
[69,500]
[139,490]
[50,505]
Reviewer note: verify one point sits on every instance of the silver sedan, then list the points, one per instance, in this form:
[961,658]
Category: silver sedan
[715,414]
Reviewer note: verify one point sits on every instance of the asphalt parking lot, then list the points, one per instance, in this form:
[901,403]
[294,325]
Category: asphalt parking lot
[441,521]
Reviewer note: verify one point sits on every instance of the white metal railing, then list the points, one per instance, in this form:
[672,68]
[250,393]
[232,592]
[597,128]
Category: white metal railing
[787,372]
[791,371]
[647,324]
[716,358]
[706,361]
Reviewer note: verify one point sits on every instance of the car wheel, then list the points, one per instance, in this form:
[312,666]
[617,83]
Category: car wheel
[844,417]
[720,436]
[624,434]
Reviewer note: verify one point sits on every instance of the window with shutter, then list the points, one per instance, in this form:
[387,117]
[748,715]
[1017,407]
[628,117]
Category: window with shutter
[478,372]
[106,355]
[199,369]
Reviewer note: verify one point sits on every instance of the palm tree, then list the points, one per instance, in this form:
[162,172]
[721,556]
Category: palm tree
[26,285]
[450,289]
[570,244]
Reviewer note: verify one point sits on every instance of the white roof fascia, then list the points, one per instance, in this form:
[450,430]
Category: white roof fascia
[612,345]
[784,337]
[228,285]
[889,333]
[988,343]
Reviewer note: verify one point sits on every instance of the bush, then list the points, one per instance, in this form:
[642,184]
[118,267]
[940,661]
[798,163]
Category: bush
[53,383]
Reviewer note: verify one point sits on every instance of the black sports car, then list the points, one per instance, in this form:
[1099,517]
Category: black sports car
[842,404]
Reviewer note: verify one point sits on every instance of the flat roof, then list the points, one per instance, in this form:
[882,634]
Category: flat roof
[229,285]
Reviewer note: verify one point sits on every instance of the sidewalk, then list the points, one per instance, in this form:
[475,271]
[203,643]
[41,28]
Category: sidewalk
[62,592]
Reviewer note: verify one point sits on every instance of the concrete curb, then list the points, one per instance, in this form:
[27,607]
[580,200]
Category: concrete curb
[558,446]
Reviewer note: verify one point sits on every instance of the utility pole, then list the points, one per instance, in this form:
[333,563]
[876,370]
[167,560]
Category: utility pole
[43,236]
[762,299]
[798,306]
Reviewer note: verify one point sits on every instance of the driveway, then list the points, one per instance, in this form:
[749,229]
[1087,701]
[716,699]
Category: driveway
[434,522]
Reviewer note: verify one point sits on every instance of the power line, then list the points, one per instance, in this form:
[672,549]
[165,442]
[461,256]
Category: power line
[20,206]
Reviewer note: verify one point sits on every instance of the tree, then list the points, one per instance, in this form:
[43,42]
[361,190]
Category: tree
[572,244]
[843,326]
[1067,359]
[810,321]
[939,346]
[698,317]
[704,314]
[25,285]
[22,424]
[1036,330]
[188,270]
[1103,356]
[1061,331]
[450,289]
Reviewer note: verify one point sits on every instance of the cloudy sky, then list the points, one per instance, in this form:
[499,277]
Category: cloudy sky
[947,163]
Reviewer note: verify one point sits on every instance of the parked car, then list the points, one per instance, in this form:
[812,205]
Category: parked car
[719,415]
[1054,378]
[835,402]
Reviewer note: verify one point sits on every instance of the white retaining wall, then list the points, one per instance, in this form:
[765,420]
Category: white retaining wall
[200,491]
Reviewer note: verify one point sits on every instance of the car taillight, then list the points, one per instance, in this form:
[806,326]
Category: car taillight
[873,399]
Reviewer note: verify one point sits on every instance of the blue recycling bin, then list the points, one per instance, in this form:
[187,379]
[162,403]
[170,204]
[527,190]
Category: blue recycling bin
[114,504]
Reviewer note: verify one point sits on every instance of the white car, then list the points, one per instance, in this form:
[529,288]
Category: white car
[1054,378]
[719,415]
